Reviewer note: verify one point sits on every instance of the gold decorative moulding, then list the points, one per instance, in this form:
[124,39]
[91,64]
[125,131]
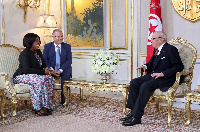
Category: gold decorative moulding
[188,9]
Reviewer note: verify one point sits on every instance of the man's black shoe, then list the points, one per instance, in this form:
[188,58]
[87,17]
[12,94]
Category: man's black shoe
[132,121]
[62,102]
[127,117]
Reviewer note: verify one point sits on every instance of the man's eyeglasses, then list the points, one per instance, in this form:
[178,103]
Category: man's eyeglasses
[155,38]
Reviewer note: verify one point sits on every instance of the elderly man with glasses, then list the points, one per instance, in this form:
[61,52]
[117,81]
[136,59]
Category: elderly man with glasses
[161,73]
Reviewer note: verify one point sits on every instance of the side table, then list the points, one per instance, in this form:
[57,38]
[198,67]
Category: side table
[191,96]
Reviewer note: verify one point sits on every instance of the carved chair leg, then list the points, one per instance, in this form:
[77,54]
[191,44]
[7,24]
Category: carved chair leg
[157,104]
[124,100]
[25,104]
[69,90]
[81,94]
[170,103]
[188,112]
[65,92]
[68,95]
[3,99]
[14,113]
[14,102]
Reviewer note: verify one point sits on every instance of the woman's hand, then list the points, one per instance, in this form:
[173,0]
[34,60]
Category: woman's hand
[52,71]
[47,71]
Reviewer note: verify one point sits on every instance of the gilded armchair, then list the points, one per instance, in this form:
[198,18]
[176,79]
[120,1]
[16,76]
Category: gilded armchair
[188,56]
[8,65]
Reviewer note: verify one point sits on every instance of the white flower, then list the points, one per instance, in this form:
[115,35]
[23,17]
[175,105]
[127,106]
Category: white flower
[105,61]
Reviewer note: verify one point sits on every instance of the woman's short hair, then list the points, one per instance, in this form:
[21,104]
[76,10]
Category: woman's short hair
[29,39]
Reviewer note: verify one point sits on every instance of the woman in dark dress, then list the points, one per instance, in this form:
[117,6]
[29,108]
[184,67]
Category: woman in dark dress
[33,71]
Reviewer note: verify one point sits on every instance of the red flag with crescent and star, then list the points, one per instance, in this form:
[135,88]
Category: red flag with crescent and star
[155,24]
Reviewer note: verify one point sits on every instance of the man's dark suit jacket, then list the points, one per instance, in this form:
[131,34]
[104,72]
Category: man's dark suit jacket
[168,62]
[49,55]
[28,63]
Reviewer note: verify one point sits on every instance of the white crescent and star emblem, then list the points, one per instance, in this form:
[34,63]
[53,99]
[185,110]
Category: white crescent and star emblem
[155,24]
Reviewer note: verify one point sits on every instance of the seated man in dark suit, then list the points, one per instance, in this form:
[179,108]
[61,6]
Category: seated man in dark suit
[58,57]
[161,73]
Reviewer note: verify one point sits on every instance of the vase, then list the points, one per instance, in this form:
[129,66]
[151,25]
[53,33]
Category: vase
[104,75]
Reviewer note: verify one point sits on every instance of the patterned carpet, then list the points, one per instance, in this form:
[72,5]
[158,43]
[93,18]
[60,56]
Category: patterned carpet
[107,110]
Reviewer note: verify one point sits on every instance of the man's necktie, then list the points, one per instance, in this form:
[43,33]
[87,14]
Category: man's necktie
[156,53]
[57,58]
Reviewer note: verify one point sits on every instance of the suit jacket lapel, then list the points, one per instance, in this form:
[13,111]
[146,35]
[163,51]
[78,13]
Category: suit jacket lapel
[161,54]
[62,54]
[52,51]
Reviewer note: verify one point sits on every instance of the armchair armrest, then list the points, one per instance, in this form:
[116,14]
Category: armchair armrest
[141,72]
[8,87]
[7,84]
[174,87]
[187,71]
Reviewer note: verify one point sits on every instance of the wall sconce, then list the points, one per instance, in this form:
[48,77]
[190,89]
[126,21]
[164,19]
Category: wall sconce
[28,3]
[47,22]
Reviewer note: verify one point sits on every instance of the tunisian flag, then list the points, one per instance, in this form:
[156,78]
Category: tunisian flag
[155,24]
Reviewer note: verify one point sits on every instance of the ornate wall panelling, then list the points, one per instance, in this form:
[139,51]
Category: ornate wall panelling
[142,60]
[188,9]
[82,66]
[118,24]
[121,31]
[196,76]
[2,25]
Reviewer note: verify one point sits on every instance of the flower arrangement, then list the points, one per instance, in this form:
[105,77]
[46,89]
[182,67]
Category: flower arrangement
[105,61]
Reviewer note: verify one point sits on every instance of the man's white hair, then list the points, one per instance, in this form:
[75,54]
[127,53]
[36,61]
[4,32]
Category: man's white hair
[56,30]
[162,35]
